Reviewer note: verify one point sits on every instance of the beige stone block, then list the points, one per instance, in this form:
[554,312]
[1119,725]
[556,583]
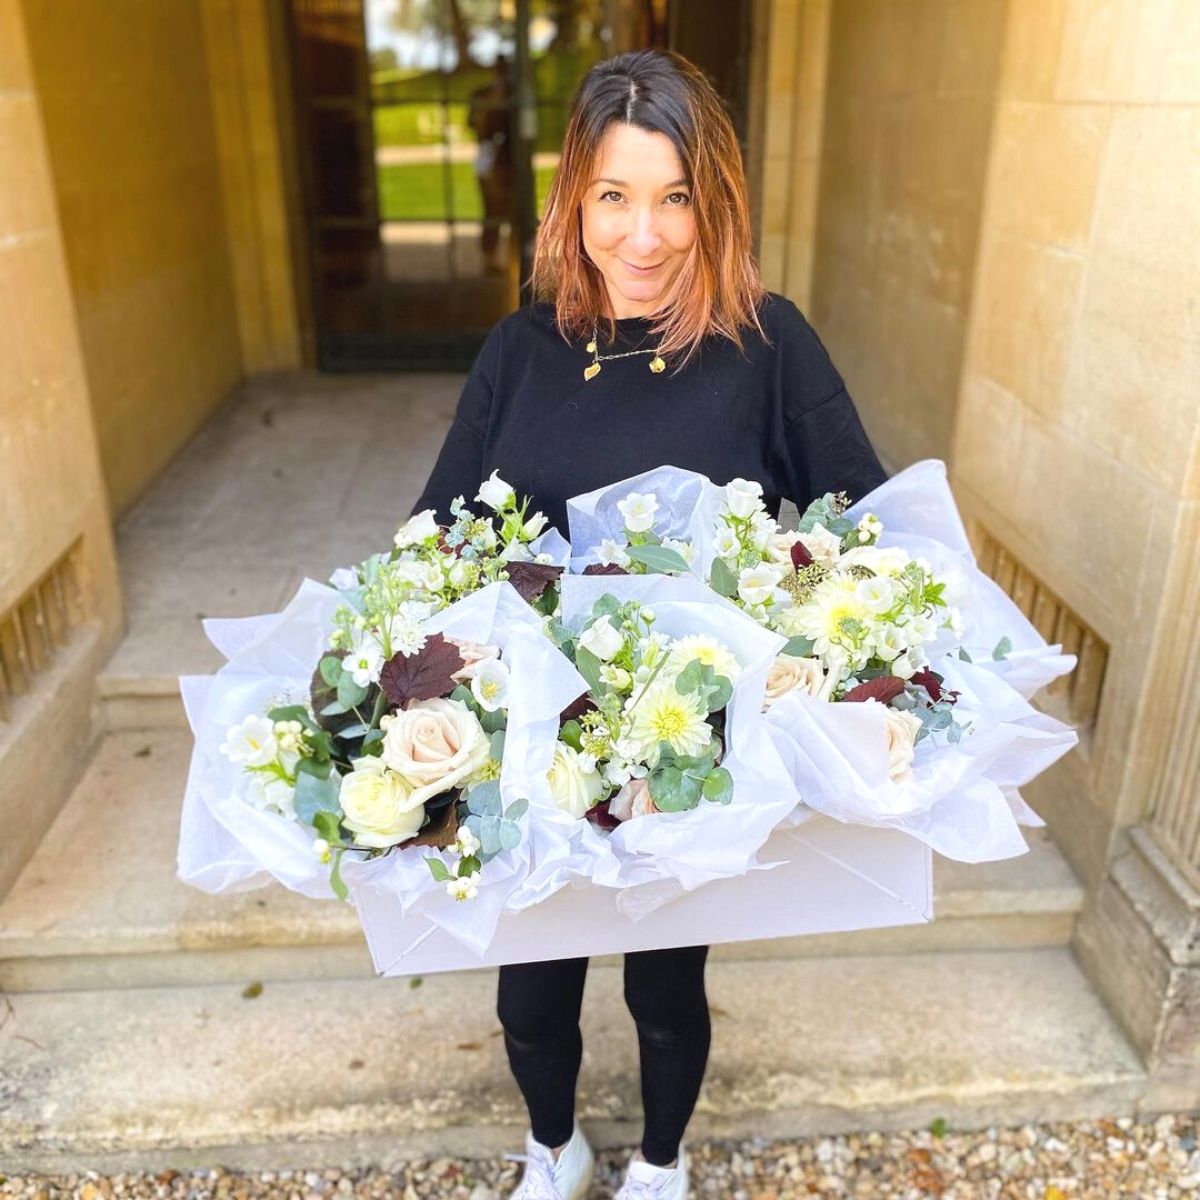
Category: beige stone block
[1033,36]
[1127,50]
[972,45]
[14,56]
[26,196]
[814,46]
[1025,306]
[1045,169]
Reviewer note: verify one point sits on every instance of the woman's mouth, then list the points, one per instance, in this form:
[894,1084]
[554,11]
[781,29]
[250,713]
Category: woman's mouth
[636,270]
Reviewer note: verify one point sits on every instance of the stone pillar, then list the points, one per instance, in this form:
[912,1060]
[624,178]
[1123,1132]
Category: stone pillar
[1076,458]
[60,608]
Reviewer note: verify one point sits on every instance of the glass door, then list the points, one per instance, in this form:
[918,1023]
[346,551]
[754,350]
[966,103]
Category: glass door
[429,131]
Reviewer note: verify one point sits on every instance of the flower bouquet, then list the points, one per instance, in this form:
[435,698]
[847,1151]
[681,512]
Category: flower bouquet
[877,708]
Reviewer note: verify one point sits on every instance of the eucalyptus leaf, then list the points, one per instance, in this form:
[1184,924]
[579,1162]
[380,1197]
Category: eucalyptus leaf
[510,835]
[489,834]
[334,709]
[517,809]
[497,745]
[673,790]
[331,669]
[1003,649]
[314,794]
[588,666]
[607,606]
[658,558]
[357,730]
[484,799]
[721,579]
[350,693]
[718,787]
[798,647]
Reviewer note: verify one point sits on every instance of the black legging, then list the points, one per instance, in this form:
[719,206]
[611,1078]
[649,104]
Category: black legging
[539,1005]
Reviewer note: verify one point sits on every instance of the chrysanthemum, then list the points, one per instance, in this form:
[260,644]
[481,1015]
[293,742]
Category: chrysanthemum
[665,714]
[708,650]
[834,615]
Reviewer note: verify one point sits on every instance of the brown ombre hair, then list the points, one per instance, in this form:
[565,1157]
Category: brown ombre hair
[718,289]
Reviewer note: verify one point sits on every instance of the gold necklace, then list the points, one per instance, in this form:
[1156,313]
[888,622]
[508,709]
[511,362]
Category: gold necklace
[657,365]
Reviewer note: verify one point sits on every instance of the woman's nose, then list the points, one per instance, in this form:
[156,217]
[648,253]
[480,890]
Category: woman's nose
[643,237]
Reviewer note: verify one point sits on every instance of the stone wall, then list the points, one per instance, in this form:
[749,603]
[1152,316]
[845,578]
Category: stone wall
[125,95]
[59,603]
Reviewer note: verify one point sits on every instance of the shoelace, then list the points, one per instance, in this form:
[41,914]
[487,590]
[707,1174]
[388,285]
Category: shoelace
[538,1183]
[638,1189]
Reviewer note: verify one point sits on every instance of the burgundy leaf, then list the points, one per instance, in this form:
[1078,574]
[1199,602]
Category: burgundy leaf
[599,815]
[532,579]
[883,688]
[604,569]
[931,681]
[800,556]
[576,708]
[424,675]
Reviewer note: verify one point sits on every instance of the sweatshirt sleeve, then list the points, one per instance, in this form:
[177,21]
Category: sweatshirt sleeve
[458,470]
[825,446]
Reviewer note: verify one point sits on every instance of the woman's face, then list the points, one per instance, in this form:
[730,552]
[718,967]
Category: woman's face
[638,224]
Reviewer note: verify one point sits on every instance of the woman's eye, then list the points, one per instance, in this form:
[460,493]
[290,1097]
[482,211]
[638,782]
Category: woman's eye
[611,196]
[679,199]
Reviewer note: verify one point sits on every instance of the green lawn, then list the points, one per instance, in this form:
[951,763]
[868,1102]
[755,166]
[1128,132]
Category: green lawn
[418,191]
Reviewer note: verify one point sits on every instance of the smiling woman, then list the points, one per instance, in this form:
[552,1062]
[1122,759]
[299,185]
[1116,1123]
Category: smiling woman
[643,259]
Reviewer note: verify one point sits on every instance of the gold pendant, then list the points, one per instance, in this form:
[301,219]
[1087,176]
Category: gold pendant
[592,371]
[591,346]
[657,365]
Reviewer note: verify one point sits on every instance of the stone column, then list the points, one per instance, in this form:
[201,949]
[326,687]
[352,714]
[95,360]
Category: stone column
[1077,461]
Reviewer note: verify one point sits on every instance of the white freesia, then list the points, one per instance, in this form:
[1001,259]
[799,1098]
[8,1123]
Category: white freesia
[611,554]
[378,805]
[574,787]
[459,573]
[436,745]
[889,642]
[685,550]
[638,509]
[726,544]
[762,529]
[756,585]
[268,791]
[616,677]
[463,887]
[495,493]
[251,743]
[534,525]
[417,529]
[489,684]
[743,497]
[601,639]
[516,551]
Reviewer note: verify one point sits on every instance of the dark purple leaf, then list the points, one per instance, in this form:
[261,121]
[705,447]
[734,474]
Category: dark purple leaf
[424,675]
[931,681]
[800,556]
[599,815]
[532,579]
[576,708]
[604,569]
[884,688]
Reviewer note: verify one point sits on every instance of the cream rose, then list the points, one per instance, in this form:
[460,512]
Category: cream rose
[633,800]
[378,804]
[473,653]
[901,729]
[436,745]
[574,788]
[788,673]
[825,547]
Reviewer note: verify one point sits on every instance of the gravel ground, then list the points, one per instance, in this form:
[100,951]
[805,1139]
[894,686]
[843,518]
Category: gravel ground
[1092,1159]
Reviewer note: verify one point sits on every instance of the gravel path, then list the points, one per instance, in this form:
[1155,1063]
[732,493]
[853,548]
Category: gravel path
[1091,1159]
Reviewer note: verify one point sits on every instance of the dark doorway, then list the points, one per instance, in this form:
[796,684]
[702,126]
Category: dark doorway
[429,132]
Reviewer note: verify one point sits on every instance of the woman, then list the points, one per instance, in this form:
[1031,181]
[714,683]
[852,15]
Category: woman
[652,342]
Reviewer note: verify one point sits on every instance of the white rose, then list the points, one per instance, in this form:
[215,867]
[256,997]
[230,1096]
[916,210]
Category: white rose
[756,585]
[875,595]
[637,510]
[883,560]
[825,547]
[779,546]
[436,745]
[378,804]
[601,639]
[574,789]
[789,673]
[743,497]
[495,493]
[417,529]
[901,729]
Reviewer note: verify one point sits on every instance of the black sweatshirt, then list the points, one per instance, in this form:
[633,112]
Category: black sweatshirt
[777,413]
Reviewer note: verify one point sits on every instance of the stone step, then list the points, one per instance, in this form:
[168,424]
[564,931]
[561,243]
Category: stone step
[346,1072]
[99,905]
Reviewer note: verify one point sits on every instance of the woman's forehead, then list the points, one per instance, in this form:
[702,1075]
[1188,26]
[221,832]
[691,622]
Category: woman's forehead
[629,156]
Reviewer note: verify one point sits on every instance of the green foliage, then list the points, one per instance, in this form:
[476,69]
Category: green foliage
[588,665]
[315,794]
[718,787]
[438,869]
[331,669]
[658,558]
[1002,650]
[798,647]
[722,579]
[572,734]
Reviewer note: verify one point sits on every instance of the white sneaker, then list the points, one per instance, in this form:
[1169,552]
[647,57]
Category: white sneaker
[548,1178]
[647,1182]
